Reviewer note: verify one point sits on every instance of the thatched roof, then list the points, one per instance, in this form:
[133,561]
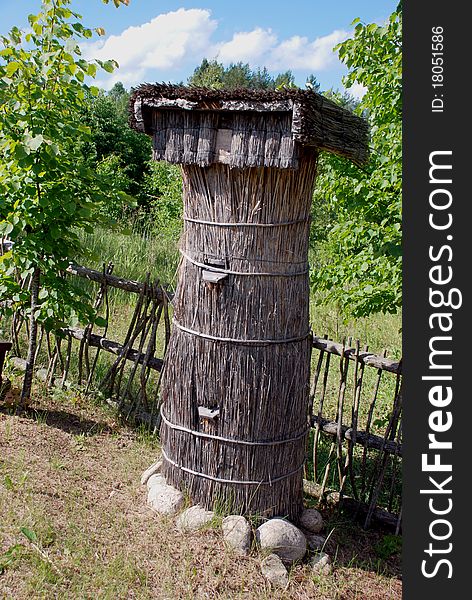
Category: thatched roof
[315,120]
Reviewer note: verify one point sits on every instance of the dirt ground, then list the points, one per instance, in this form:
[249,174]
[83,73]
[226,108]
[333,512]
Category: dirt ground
[74,523]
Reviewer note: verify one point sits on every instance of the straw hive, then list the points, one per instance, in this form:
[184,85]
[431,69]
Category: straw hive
[235,385]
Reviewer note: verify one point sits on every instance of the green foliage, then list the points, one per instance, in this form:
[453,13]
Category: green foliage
[163,189]
[261,79]
[47,192]
[238,75]
[388,546]
[362,207]
[208,74]
[312,83]
[111,135]
[284,80]
[120,95]
[118,205]
[134,256]
[29,534]
[10,557]
[123,157]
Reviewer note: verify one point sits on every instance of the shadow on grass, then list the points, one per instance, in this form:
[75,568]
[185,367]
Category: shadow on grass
[375,550]
[61,419]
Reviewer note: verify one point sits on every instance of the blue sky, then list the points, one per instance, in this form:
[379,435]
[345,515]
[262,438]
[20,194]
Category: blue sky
[164,40]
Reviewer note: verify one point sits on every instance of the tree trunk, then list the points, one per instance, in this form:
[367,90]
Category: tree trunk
[33,338]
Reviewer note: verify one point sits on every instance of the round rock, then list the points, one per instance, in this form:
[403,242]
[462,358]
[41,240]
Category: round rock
[321,564]
[282,538]
[155,480]
[311,520]
[194,518]
[162,498]
[315,542]
[274,570]
[237,533]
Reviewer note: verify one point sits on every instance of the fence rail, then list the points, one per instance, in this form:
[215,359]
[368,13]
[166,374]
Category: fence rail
[368,440]
[368,358]
[98,341]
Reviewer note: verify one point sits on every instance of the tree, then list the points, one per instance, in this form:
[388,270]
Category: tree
[262,80]
[162,188]
[208,74]
[238,75]
[111,135]
[312,83]
[47,192]
[120,96]
[285,80]
[363,272]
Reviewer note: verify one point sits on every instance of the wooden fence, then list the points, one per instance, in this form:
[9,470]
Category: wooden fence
[354,452]
[360,415]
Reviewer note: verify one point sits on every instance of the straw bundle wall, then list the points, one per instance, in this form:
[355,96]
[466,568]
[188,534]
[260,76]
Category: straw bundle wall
[257,382]
[256,139]
[315,120]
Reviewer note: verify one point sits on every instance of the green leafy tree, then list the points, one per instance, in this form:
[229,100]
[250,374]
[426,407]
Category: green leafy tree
[312,83]
[111,135]
[118,206]
[208,74]
[162,188]
[345,99]
[238,75]
[262,79]
[215,75]
[285,80]
[47,192]
[363,270]
[120,95]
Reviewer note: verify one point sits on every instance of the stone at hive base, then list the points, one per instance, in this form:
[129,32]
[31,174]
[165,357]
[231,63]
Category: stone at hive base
[283,539]
[194,518]
[274,570]
[162,498]
[237,533]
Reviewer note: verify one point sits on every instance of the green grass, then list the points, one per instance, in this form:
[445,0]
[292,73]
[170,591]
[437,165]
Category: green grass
[134,255]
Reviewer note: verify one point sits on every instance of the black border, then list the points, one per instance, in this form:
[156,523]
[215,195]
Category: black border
[425,132]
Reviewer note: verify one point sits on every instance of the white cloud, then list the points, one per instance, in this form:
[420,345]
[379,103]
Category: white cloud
[175,42]
[299,53]
[261,47]
[249,46]
[357,90]
[164,43]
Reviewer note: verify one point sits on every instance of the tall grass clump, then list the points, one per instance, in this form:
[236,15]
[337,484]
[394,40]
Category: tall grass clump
[134,254]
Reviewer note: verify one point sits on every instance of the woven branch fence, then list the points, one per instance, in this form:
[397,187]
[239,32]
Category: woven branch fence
[357,431]
[127,372]
[354,450]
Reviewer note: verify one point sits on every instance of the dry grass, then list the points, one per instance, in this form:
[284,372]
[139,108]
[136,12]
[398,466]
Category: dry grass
[69,476]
